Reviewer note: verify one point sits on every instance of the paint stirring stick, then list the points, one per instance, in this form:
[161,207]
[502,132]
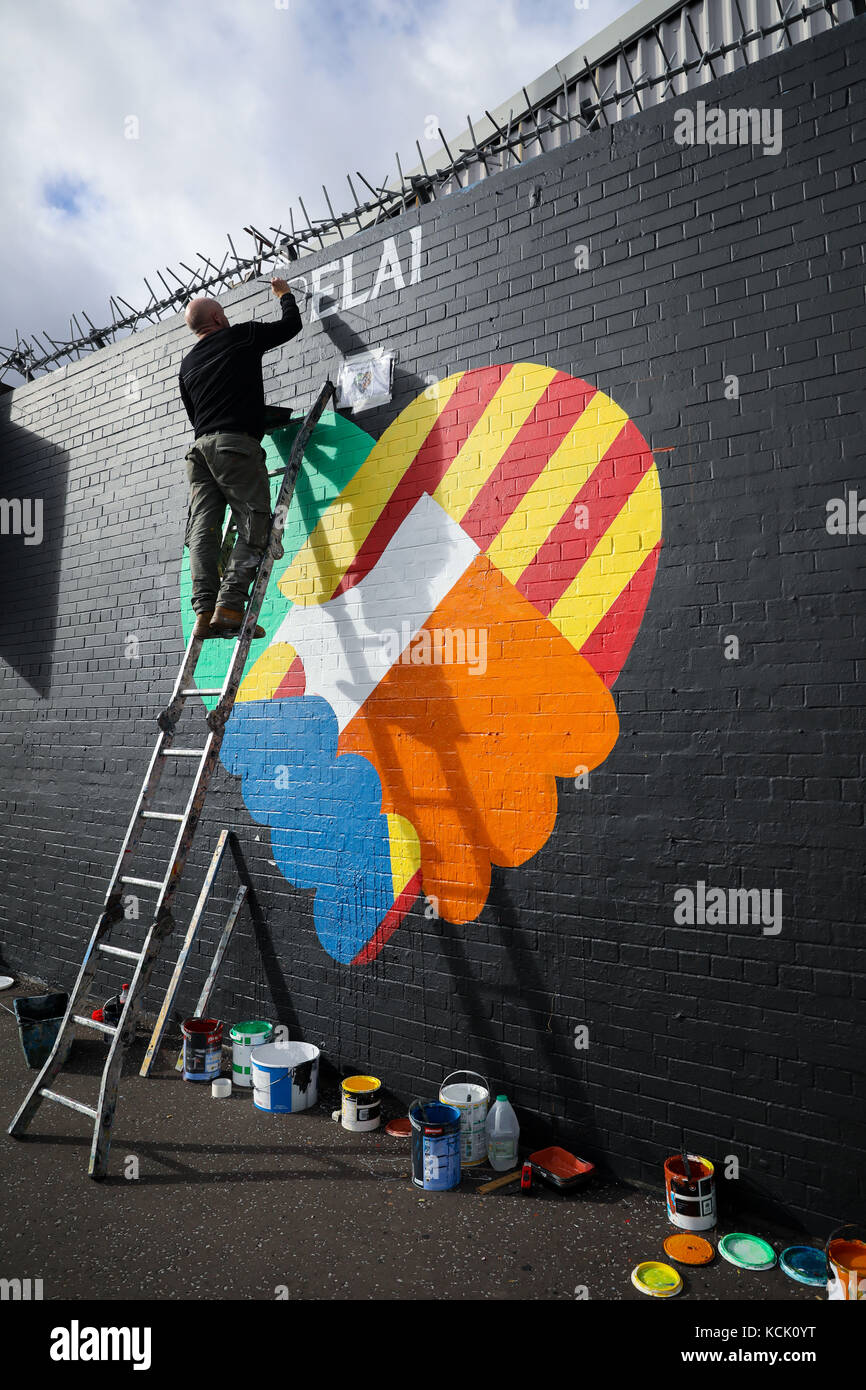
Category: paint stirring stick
[687,1166]
[500,1182]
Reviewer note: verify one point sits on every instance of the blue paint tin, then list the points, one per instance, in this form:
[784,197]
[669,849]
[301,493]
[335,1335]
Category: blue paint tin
[435,1145]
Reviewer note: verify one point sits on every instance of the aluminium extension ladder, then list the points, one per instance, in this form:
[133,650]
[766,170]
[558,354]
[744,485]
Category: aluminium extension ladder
[187,821]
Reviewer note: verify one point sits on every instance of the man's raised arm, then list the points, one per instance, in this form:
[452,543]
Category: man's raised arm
[288,326]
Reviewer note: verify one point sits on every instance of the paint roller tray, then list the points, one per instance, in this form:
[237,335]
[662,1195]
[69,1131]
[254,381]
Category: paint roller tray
[560,1169]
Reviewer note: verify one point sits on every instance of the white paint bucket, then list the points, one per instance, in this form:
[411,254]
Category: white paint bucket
[472,1099]
[361,1106]
[285,1077]
[245,1036]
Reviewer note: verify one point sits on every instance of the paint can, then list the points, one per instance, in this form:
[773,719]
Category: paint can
[846,1265]
[285,1077]
[202,1048]
[245,1036]
[39,1017]
[691,1204]
[435,1145]
[361,1104]
[471,1098]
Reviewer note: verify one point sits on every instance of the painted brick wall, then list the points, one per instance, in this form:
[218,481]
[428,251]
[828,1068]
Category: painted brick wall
[703,264]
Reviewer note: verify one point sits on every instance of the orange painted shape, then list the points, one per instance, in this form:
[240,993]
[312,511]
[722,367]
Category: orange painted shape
[470,756]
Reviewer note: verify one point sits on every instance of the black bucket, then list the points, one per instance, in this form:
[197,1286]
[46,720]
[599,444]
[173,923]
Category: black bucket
[39,1018]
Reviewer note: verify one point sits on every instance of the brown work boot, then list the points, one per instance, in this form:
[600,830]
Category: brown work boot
[202,624]
[226,622]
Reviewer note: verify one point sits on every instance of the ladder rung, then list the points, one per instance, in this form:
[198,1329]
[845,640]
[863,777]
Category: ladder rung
[161,815]
[119,951]
[94,1023]
[144,882]
[183,752]
[69,1103]
[196,691]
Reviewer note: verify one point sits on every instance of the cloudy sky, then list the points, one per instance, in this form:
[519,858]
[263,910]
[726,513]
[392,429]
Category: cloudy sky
[241,106]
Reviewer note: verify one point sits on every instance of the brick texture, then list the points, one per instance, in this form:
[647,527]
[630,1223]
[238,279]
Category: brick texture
[703,263]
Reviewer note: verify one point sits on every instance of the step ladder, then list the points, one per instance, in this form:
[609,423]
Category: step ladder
[162,924]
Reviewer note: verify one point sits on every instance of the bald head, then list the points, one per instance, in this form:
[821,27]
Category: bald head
[205,316]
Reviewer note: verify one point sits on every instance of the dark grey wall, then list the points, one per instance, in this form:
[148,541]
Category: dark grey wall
[703,262]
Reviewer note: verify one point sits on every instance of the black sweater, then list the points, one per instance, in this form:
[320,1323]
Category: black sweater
[221,377]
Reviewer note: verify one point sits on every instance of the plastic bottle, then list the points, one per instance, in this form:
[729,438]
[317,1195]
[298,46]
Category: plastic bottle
[113,1008]
[503,1132]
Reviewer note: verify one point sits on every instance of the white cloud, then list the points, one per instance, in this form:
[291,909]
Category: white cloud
[242,107]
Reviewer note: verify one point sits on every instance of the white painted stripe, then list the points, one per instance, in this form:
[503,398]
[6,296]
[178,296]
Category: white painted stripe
[345,644]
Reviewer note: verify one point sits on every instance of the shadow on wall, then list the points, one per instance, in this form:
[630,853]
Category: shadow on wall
[33,484]
[348,342]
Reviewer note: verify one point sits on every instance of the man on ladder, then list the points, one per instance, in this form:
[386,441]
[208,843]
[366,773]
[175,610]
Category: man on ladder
[228,465]
[221,387]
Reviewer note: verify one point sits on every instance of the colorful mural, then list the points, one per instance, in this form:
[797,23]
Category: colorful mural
[455,601]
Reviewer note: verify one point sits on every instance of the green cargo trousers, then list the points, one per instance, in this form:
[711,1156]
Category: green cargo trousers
[226,470]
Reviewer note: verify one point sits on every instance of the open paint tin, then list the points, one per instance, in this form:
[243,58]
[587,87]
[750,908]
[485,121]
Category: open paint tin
[656,1279]
[561,1169]
[747,1252]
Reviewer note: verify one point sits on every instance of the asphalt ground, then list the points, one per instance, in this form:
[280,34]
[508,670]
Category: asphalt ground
[213,1199]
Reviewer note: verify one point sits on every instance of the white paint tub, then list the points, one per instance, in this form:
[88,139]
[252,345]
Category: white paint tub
[472,1099]
[285,1077]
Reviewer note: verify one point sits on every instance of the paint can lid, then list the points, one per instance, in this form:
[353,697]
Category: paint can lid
[657,1279]
[747,1252]
[805,1264]
[400,1128]
[688,1249]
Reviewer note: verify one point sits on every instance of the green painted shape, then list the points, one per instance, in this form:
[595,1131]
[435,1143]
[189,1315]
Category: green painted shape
[335,451]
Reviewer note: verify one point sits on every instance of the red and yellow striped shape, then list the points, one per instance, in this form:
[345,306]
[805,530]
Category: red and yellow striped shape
[547,474]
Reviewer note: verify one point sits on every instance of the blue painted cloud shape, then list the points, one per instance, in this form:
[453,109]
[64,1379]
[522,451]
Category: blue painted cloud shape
[324,813]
